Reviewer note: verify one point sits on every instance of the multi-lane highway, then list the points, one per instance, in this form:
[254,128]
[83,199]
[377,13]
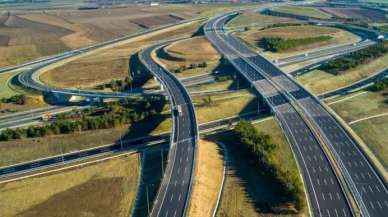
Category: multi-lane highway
[174,193]
[306,114]
[325,193]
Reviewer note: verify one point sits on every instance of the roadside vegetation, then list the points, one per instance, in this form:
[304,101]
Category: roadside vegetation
[261,149]
[98,189]
[379,85]
[354,59]
[286,39]
[280,44]
[109,115]
[249,187]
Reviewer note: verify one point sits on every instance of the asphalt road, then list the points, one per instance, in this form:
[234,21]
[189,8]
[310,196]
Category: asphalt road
[324,190]
[174,193]
[367,187]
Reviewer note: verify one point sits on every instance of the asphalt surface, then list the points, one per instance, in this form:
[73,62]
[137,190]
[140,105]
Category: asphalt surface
[175,190]
[295,107]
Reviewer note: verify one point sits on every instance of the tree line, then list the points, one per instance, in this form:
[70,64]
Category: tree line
[191,66]
[261,148]
[108,115]
[19,99]
[281,44]
[354,59]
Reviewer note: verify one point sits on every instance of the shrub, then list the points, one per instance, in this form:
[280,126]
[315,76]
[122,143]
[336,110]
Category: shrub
[280,44]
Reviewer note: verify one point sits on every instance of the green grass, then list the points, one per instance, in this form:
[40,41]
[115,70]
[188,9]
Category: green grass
[303,11]
[247,191]
[100,189]
[372,131]
[5,90]
[255,19]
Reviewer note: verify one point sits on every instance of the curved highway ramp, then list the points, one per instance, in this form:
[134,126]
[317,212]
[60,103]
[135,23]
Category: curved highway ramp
[174,193]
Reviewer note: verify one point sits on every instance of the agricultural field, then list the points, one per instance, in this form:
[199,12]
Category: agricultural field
[363,14]
[302,11]
[338,36]
[37,33]
[73,191]
[367,114]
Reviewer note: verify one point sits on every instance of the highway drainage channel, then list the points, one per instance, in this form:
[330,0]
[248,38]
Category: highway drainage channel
[152,171]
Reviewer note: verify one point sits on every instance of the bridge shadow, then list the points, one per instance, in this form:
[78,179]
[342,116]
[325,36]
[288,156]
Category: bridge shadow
[153,163]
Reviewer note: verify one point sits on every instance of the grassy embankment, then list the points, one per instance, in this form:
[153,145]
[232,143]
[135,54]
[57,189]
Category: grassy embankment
[366,113]
[299,33]
[107,64]
[249,191]
[302,11]
[255,20]
[207,179]
[106,188]
[319,81]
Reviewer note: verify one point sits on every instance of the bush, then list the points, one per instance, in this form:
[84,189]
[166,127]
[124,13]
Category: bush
[379,85]
[110,115]
[354,59]
[19,99]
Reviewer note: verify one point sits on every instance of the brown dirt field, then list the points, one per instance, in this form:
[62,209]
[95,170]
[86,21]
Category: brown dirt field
[148,22]
[104,66]
[106,188]
[36,33]
[357,13]
[4,40]
[207,179]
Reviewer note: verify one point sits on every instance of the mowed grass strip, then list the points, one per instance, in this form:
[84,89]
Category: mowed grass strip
[372,131]
[302,11]
[207,179]
[102,189]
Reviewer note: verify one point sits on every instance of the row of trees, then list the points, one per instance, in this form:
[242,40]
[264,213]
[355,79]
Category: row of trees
[354,59]
[191,66]
[113,114]
[281,44]
[379,85]
[262,149]
[19,99]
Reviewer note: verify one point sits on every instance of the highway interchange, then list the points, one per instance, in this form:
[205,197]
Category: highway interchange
[310,128]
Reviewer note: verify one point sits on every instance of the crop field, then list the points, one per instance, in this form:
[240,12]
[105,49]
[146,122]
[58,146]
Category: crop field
[357,13]
[37,33]
[303,11]
[367,114]
[105,188]
[106,65]
[338,36]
